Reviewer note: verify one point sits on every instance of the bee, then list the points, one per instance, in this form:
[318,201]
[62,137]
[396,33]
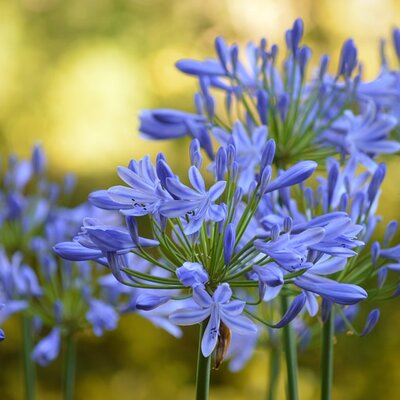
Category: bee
[224,339]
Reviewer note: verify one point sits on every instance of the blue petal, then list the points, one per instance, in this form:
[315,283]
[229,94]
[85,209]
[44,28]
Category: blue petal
[193,226]
[308,237]
[372,320]
[294,175]
[340,293]
[239,324]
[148,301]
[202,297]
[196,179]
[216,190]
[122,195]
[217,212]
[181,191]
[294,309]
[178,208]
[223,293]
[48,348]
[271,292]
[191,274]
[135,181]
[206,67]
[329,266]
[229,242]
[270,274]
[234,307]
[102,316]
[189,316]
[392,253]
[102,199]
[311,304]
[12,307]
[76,252]
[211,333]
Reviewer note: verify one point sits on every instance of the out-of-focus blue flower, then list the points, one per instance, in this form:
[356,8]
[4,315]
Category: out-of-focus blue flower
[218,308]
[241,350]
[38,160]
[101,316]
[48,348]
[2,334]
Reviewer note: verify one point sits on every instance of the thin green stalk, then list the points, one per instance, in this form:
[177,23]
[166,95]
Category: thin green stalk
[289,344]
[29,367]
[69,367]
[203,369]
[274,370]
[327,357]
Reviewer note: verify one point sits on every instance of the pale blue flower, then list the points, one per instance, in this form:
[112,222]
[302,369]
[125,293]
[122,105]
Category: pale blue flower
[217,308]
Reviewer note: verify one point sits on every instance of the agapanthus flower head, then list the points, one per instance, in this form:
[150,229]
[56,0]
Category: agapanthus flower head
[248,227]
[61,297]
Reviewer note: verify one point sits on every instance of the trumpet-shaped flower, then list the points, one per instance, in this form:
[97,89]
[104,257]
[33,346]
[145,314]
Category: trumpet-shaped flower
[217,308]
[197,204]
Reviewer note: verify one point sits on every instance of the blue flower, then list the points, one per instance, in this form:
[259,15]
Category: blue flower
[372,320]
[38,160]
[248,149]
[171,124]
[241,350]
[192,274]
[102,316]
[144,194]
[2,334]
[167,124]
[271,280]
[48,348]
[293,176]
[290,251]
[95,241]
[198,203]
[336,292]
[218,308]
[364,136]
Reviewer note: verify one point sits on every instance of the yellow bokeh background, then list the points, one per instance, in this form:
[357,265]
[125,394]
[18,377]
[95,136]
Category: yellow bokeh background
[74,76]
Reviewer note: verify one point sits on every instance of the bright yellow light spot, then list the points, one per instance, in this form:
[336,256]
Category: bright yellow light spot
[92,107]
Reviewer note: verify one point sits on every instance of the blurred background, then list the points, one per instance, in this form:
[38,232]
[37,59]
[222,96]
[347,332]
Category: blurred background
[74,76]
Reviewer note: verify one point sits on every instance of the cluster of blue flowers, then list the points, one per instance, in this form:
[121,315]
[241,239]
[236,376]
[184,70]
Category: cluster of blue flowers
[250,226]
[55,297]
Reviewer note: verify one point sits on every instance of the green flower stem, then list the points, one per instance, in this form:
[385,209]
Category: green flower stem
[289,342]
[327,357]
[203,369]
[274,370]
[29,366]
[69,367]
